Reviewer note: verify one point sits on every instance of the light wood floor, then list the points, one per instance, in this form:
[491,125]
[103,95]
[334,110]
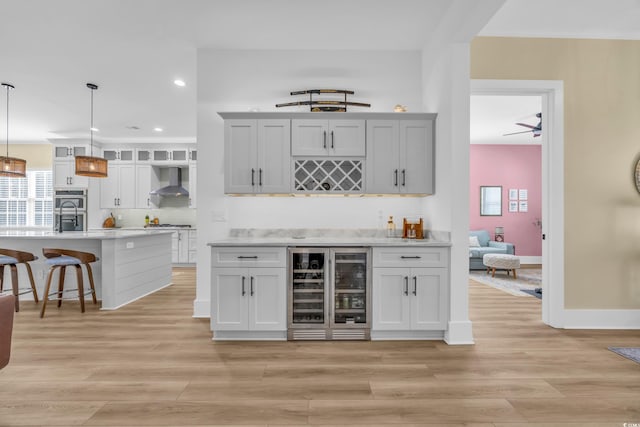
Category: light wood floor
[151,363]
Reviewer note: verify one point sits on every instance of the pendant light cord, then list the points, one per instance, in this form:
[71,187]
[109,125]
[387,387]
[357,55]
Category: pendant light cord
[7,121]
[91,128]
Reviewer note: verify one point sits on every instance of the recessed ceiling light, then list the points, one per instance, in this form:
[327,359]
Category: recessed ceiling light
[94,129]
[179,82]
[158,129]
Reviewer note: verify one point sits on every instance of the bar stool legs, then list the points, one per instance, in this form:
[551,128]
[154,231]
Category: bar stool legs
[12,258]
[60,259]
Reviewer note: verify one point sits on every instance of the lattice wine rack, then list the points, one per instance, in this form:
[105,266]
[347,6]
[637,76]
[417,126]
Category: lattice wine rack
[328,176]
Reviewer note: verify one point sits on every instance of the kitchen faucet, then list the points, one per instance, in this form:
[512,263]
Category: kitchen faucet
[60,214]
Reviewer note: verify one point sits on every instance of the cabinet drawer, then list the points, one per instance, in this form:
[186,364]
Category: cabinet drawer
[410,257]
[248,257]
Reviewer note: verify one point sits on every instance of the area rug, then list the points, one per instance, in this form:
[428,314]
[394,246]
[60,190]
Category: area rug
[528,280]
[632,353]
[536,293]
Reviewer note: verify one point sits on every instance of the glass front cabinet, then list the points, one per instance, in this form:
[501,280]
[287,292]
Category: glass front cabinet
[329,293]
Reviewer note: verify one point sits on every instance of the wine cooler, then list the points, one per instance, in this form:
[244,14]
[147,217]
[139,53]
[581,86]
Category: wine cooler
[329,294]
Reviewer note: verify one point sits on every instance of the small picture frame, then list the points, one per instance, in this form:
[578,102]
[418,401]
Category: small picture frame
[513,194]
[513,206]
[523,194]
[524,206]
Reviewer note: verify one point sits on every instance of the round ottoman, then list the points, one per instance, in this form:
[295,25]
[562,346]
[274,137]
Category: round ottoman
[501,262]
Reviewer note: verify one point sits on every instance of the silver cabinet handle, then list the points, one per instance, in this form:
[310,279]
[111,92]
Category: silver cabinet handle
[395,182]
[243,292]
[409,257]
[71,180]
[148,202]
[251,286]
[406,285]
[115,201]
[415,285]
[324,139]
[247,257]
[332,140]
[404,177]
[253,172]
[260,177]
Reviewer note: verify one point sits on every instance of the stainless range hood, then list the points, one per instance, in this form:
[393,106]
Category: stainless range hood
[175,188]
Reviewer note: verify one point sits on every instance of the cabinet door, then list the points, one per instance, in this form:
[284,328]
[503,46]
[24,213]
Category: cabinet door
[175,247]
[267,299]
[240,153]
[229,299]
[193,155]
[183,247]
[416,157]
[346,138]
[193,177]
[126,155]
[391,304]
[180,156]
[146,181]
[382,164]
[62,152]
[110,155]
[143,155]
[274,156]
[62,173]
[109,188]
[429,298]
[309,137]
[126,186]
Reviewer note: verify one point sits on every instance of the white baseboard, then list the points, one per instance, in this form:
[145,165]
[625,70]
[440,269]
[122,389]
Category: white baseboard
[459,333]
[530,259]
[601,319]
[202,309]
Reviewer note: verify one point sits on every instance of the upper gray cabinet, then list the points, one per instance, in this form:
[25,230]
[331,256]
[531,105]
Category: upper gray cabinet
[257,156]
[400,157]
[360,153]
[322,138]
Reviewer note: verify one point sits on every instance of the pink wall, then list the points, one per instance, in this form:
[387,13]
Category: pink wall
[511,166]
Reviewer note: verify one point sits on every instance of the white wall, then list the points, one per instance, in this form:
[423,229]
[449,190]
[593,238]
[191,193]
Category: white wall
[242,80]
[447,91]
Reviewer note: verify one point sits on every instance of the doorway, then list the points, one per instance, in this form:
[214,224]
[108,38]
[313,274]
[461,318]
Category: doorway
[552,194]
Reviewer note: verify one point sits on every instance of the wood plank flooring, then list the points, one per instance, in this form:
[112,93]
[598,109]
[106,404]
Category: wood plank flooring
[152,364]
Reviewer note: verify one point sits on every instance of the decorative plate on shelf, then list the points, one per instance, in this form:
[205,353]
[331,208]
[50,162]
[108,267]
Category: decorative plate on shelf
[637,176]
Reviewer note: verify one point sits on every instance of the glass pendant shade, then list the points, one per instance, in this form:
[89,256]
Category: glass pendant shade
[11,166]
[93,167]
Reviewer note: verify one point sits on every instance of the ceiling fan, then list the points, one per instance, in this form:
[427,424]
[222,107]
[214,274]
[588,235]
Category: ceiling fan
[537,129]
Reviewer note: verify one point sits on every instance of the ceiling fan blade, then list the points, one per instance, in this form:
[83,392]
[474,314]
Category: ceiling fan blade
[515,133]
[527,126]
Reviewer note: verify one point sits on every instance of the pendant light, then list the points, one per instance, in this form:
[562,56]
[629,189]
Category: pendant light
[95,167]
[11,166]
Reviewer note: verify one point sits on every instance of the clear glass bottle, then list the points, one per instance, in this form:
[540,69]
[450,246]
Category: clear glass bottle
[391,227]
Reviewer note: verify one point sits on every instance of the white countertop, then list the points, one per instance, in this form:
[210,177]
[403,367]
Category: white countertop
[92,234]
[326,241]
[325,237]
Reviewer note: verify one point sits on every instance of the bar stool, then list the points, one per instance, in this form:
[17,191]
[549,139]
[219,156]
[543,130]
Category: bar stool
[61,258]
[12,258]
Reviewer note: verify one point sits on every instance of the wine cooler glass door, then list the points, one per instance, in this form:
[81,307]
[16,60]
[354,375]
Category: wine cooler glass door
[308,288]
[351,299]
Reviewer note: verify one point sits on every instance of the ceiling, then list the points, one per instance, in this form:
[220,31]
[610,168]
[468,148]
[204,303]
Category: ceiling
[492,116]
[135,49]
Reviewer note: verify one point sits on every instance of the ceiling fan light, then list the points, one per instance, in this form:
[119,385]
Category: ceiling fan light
[13,167]
[94,167]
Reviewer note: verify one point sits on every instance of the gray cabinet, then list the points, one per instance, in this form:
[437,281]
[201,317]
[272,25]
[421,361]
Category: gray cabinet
[118,189]
[311,137]
[400,157]
[257,156]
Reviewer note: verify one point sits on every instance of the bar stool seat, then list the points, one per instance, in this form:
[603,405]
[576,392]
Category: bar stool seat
[13,258]
[61,259]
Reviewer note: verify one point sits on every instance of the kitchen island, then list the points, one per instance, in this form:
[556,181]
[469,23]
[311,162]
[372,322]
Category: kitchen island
[132,263]
[329,284]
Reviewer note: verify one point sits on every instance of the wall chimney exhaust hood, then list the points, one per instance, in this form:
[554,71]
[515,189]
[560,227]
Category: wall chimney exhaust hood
[175,188]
